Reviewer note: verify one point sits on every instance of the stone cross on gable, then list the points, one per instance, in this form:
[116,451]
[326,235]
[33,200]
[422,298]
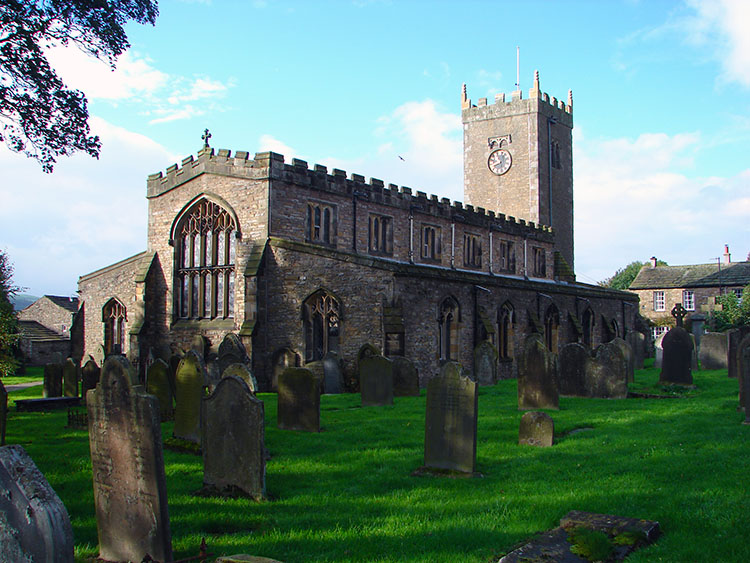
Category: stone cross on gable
[679,312]
[205,137]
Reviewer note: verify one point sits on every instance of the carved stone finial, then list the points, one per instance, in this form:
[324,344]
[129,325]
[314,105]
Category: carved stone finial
[465,101]
[205,137]
[536,79]
[679,312]
[534,92]
[570,98]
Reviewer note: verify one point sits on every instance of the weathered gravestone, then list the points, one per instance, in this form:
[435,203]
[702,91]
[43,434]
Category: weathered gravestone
[713,350]
[53,374]
[743,354]
[536,429]
[70,378]
[189,382]
[233,454]
[607,372]
[627,353]
[376,381]
[3,412]
[89,376]
[244,373]
[678,357]
[212,372]
[298,400]
[34,525]
[333,374]
[130,493]
[734,337]
[485,363]
[405,377]
[537,381]
[658,350]
[157,384]
[572,362]
[282,359]
[450,441]
[231,351]
[637,343]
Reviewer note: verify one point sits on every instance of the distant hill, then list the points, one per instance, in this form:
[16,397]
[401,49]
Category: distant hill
[22,300]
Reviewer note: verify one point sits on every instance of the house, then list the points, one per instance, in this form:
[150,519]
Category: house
[46,327]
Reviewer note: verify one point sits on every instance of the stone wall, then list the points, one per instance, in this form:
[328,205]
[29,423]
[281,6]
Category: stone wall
[48,314]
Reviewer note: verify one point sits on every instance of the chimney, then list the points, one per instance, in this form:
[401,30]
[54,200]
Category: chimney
[727,256]
[653,261]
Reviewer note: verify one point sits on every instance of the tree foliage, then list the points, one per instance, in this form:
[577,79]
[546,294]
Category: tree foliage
[39,116]
[625,276]
[8,325]
[734,312]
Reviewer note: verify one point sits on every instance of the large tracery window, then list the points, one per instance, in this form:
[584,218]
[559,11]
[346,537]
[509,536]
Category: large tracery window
[205,251]
[114,316]
[321,319]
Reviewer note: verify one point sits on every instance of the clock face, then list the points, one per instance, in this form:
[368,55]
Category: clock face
[499,161]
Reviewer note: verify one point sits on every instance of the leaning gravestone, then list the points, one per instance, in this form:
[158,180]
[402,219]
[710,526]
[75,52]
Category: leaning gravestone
[376,381]
[450,441]
[405,377]
[89,376]
[607,372]
[3,412]
[34,525]
[130,493]
[627,353]
[298,400]
[244,373]
[677,359]
[70,378]
[536,429]
[189,382]
[333,374]
[537,381]
[157,384]
[53,374]
[573,360]
[233,451]
[485,363]
[713,350]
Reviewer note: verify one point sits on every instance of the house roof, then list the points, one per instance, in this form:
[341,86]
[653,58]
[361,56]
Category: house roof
[695,275]
[32,330]
[69,303]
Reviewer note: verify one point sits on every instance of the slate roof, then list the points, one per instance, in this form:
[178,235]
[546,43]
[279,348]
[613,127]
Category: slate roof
[695,275]
[32,330]
[69,303]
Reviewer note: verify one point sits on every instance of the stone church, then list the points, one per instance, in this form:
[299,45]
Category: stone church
[302,261]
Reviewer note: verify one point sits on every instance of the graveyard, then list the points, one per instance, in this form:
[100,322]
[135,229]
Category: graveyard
[352,492]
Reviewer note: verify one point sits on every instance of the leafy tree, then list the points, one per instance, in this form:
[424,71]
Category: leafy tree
[8,328]
[734,312]
[39,116]
[625,276]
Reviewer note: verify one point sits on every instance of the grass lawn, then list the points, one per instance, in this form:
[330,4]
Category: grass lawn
[346,494]
[35,373]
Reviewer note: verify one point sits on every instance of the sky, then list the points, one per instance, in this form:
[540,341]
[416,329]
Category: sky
[660,109]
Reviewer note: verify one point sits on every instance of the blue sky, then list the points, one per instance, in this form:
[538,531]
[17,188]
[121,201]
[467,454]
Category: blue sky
[660,90]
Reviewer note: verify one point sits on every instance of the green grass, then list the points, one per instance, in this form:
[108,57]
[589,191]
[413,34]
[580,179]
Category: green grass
[30,374]
[346,494]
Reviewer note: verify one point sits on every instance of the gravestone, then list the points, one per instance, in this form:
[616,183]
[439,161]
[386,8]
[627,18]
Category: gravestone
[333,374]
[130,493]
[678,356]
[405,377]
[282,359]
[53,374]
[199,344]
[485,363]
[233,451]
[157,384]
[34,525]
[212,372]
[573,361]
[713,350]
[450,441]
[694,355]
[658,350]
[70,378]
[89,376]
[244,373]
[367,350]
[537,381]
[607,372]
[174,363]
[734,337]
[627,353]
[3,412]
[536,429]
[743,350]
[231,351]
[189,382]
[637,343]
[376,381]
[298,400]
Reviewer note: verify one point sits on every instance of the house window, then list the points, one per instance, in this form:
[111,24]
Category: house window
[114,315]
[688,300]
[507,257]
[540,262]
[472,251]
[659,301]
[551,328]
[381,235]
[205,250]
[738,293]
[321,223]
[430,243]
[448,319]
[506,321]
[321,319]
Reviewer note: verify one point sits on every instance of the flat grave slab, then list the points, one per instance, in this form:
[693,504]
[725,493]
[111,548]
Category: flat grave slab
[47,404]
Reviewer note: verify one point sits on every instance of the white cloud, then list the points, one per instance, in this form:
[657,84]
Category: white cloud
[269,143]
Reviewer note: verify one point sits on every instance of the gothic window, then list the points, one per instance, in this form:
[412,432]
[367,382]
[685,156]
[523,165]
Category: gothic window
[540,262]
[205,251]
[431,249]
[506,321]
[381,235]
[551,328]
[587,322]
[321,223]
[321,319]
[448,319]
[472,251]
[507,256]
[114,316]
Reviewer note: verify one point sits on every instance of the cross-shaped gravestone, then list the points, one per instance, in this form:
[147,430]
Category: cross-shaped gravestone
[205,137]
[679,312]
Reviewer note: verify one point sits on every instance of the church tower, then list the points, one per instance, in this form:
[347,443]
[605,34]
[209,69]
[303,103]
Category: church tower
[518,159]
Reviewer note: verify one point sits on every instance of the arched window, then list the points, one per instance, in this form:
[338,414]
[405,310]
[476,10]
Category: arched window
[506,321]
[114,315]
[204,252]
[587,322]
[448,319]
[551,328]
[321,317]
